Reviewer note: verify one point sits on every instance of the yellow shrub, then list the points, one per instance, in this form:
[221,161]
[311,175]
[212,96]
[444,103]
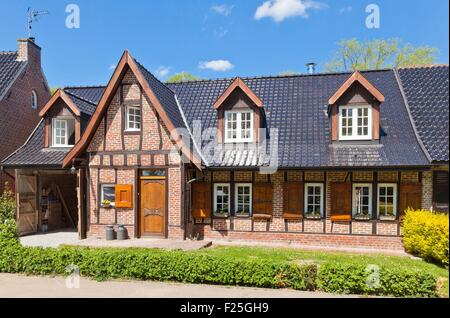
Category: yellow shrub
[426,234]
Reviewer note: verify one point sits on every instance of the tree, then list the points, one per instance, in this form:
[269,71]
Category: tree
[288,73]
[378,54]
[53,90]
[182,77]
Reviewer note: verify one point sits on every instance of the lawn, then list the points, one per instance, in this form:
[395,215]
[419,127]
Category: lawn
[296,255]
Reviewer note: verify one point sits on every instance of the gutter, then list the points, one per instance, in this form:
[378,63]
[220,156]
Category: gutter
[408,110]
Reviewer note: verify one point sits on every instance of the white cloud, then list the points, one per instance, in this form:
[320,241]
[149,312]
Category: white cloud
[216,65]
[346,9]
[222,9]
[162,71]
[112,66]
[279,10]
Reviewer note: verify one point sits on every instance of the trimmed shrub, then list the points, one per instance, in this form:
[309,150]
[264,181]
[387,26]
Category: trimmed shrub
[7,205]
[425,234]
[373,280]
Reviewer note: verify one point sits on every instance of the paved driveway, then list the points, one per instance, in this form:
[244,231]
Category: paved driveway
[13,286]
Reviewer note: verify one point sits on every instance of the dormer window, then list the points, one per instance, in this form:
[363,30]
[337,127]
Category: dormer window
[238,126]
[355,122]
[63,132]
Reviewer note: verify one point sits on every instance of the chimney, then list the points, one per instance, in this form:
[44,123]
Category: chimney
[29,51]
[311,68]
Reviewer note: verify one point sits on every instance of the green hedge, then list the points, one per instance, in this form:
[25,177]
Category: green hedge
[426,234]
[191,267]
[373,280]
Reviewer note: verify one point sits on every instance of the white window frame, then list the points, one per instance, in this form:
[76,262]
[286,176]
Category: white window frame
[354,135]
[34,100]
[102,187]
[66,135]
[306,197]
[127,115]
[216,185]
[394,186]
[239,122]
[236,186]
[355,185]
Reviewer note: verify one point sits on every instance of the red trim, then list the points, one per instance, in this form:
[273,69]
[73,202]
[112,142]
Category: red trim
[238,82]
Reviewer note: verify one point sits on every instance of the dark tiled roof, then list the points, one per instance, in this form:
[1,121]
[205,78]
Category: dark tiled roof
[33,153]
[85,98]
[9,69]
[427,93]
[91,94]
[297,105]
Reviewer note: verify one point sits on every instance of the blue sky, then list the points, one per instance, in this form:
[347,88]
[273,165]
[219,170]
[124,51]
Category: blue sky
[212,39]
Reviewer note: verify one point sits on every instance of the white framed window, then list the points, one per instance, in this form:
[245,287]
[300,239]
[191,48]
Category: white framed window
[355,122]
[63,132]
[133,118]
[34,99]
[314,199]
[362,200]
[387,200]
[238,126]
[108,192]
[243,199]
[221,199]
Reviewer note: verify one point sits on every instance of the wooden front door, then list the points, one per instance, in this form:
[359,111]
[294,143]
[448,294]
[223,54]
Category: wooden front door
[153,208]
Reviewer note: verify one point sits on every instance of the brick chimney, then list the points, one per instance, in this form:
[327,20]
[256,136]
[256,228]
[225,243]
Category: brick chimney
[29,51]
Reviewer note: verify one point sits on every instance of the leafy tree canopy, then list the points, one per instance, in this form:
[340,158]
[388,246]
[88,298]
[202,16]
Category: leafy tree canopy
[182,77]
[378,54]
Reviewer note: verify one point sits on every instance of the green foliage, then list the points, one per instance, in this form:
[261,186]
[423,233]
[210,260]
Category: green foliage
[182,77]
[53,90]
[375,280]
[378,54]
[426,234]
[7,205]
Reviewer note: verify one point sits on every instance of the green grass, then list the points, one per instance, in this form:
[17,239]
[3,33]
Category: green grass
[296,255]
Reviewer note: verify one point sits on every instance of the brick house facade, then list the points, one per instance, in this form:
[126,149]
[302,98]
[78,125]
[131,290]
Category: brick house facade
[140,164]
[21,76]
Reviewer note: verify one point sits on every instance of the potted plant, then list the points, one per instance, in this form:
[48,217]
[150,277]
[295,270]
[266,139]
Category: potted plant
[221,213]
[313,215]
[106,204]
[242,213]
[387,217]
[362,216]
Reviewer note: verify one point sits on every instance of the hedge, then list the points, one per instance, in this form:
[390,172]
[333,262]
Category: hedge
[425,234]
[191,267]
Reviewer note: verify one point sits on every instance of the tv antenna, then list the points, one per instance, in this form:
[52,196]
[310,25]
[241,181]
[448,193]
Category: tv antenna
[33,17]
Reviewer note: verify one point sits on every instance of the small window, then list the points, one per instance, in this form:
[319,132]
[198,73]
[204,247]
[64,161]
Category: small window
[387,200]
[243,199]
[133,114]
[362,201]
[355,122]
[108,194]
[34,100]
[63,132]
[238,126]
[221,199]
[314,200]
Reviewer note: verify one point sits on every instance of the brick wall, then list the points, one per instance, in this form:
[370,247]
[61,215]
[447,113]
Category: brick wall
[17,118]
[109,165]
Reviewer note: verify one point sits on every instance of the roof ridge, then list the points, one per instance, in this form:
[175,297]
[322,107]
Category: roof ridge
[423,66]
[8,52]
[84,86]
[277,76]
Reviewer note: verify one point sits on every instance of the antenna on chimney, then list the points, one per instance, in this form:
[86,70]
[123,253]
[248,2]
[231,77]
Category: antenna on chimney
[33,17]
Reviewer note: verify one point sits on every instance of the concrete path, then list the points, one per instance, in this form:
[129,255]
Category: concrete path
[50,239]
[15,286]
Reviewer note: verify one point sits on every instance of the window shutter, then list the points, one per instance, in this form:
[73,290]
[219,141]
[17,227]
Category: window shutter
[201,200]
[341,201]
[293,205]
[262,200]
[410,197]
[124,196]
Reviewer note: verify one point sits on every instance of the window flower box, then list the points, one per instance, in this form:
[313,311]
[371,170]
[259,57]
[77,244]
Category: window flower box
[313,216]
[363,217]
[387,218]
[221,214]
[106,204]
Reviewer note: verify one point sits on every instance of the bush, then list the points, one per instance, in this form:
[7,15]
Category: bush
[359,278]
[7,205]
[425,234]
